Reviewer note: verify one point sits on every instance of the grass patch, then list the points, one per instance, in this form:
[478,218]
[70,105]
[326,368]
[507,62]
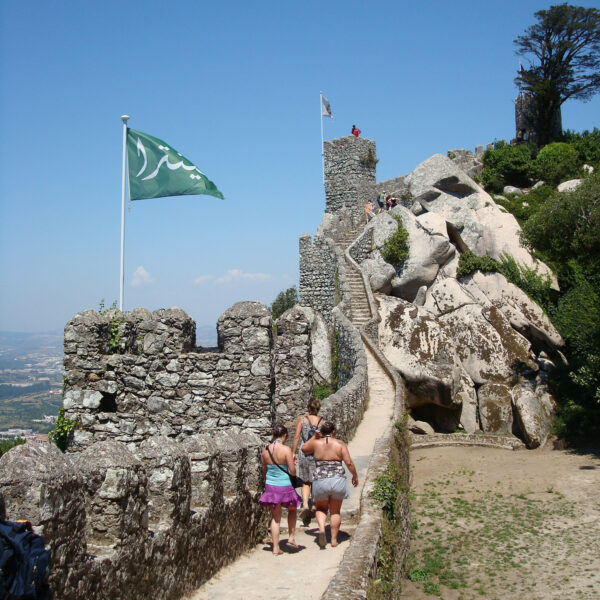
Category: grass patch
[476,545]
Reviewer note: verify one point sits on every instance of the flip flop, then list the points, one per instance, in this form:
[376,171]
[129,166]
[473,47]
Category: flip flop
[322,540]
[292,545]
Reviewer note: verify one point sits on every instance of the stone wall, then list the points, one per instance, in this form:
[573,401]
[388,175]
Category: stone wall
[361,249]
[347,406]
[395,186]
[349,180]
[293,366]
[468,161]
[158,382]
[358,569]
[152,524]
[319,275]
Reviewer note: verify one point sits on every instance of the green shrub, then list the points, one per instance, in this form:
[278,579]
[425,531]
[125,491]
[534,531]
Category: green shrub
[6,445]
[369,160]
[579,304]
[587,145]
[395,248]
[507,165]
[469,262]
[523,207]
[565,232]
[386,490]
[62,433]
[321,391]
[569,223]
[535,285]
[557,162]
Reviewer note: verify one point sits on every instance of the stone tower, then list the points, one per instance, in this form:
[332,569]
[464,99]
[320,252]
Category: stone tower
[524,120]
[349,174]
[524,130]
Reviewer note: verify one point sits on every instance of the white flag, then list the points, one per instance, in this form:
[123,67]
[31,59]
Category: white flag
[325,107]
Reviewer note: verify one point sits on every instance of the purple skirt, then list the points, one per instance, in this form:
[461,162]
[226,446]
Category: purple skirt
[285,495]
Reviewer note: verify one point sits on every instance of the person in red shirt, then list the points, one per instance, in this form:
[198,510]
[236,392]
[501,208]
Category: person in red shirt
[355,131]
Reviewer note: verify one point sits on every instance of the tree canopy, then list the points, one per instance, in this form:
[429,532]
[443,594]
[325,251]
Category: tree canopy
[564,49]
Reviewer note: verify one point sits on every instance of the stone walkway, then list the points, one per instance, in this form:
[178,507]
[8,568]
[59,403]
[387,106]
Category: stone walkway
[304,574]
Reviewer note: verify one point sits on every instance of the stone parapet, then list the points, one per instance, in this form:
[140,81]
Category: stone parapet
[130,376]
[156,524]
[361,249]
[506,442]
[347,406]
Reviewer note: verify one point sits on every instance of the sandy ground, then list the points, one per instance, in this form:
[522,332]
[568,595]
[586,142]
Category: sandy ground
[501,524]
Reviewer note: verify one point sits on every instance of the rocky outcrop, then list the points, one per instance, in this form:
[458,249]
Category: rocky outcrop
[495,408]
[533,415]
[569,186]
[429,247]
[442,187]
[461,344]
[522,312]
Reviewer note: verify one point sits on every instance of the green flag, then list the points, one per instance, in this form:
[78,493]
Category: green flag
[157,170]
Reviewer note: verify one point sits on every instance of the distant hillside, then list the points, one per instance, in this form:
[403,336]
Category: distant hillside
[23,410]
[31,374]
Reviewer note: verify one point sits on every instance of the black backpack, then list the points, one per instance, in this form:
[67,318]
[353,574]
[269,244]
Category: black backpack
[24,564]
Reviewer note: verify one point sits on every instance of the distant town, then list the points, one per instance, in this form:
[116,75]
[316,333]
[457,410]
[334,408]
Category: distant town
[31,373]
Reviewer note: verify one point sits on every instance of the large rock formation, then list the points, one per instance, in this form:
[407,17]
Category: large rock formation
[471,349]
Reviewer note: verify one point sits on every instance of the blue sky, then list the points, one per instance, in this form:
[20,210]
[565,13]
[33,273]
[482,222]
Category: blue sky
[234,87]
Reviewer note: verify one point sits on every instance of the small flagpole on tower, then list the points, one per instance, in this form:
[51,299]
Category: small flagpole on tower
[124,118]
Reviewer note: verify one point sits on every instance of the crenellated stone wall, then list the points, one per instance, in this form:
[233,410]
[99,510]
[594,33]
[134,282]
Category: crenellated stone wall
[158,383]
[152,524]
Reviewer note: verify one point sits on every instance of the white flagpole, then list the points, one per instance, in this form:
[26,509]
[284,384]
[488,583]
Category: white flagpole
[322,148]
[124,118]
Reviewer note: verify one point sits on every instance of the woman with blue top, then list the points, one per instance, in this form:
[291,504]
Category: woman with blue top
[277,463]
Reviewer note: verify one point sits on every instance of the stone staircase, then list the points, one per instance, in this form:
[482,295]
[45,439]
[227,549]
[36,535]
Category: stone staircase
[361,313]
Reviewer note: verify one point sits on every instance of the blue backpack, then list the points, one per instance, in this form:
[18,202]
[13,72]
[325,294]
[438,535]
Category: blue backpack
[24,563]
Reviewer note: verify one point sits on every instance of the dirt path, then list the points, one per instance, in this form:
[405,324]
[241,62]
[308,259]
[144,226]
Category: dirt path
[305,573]
[495,524]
